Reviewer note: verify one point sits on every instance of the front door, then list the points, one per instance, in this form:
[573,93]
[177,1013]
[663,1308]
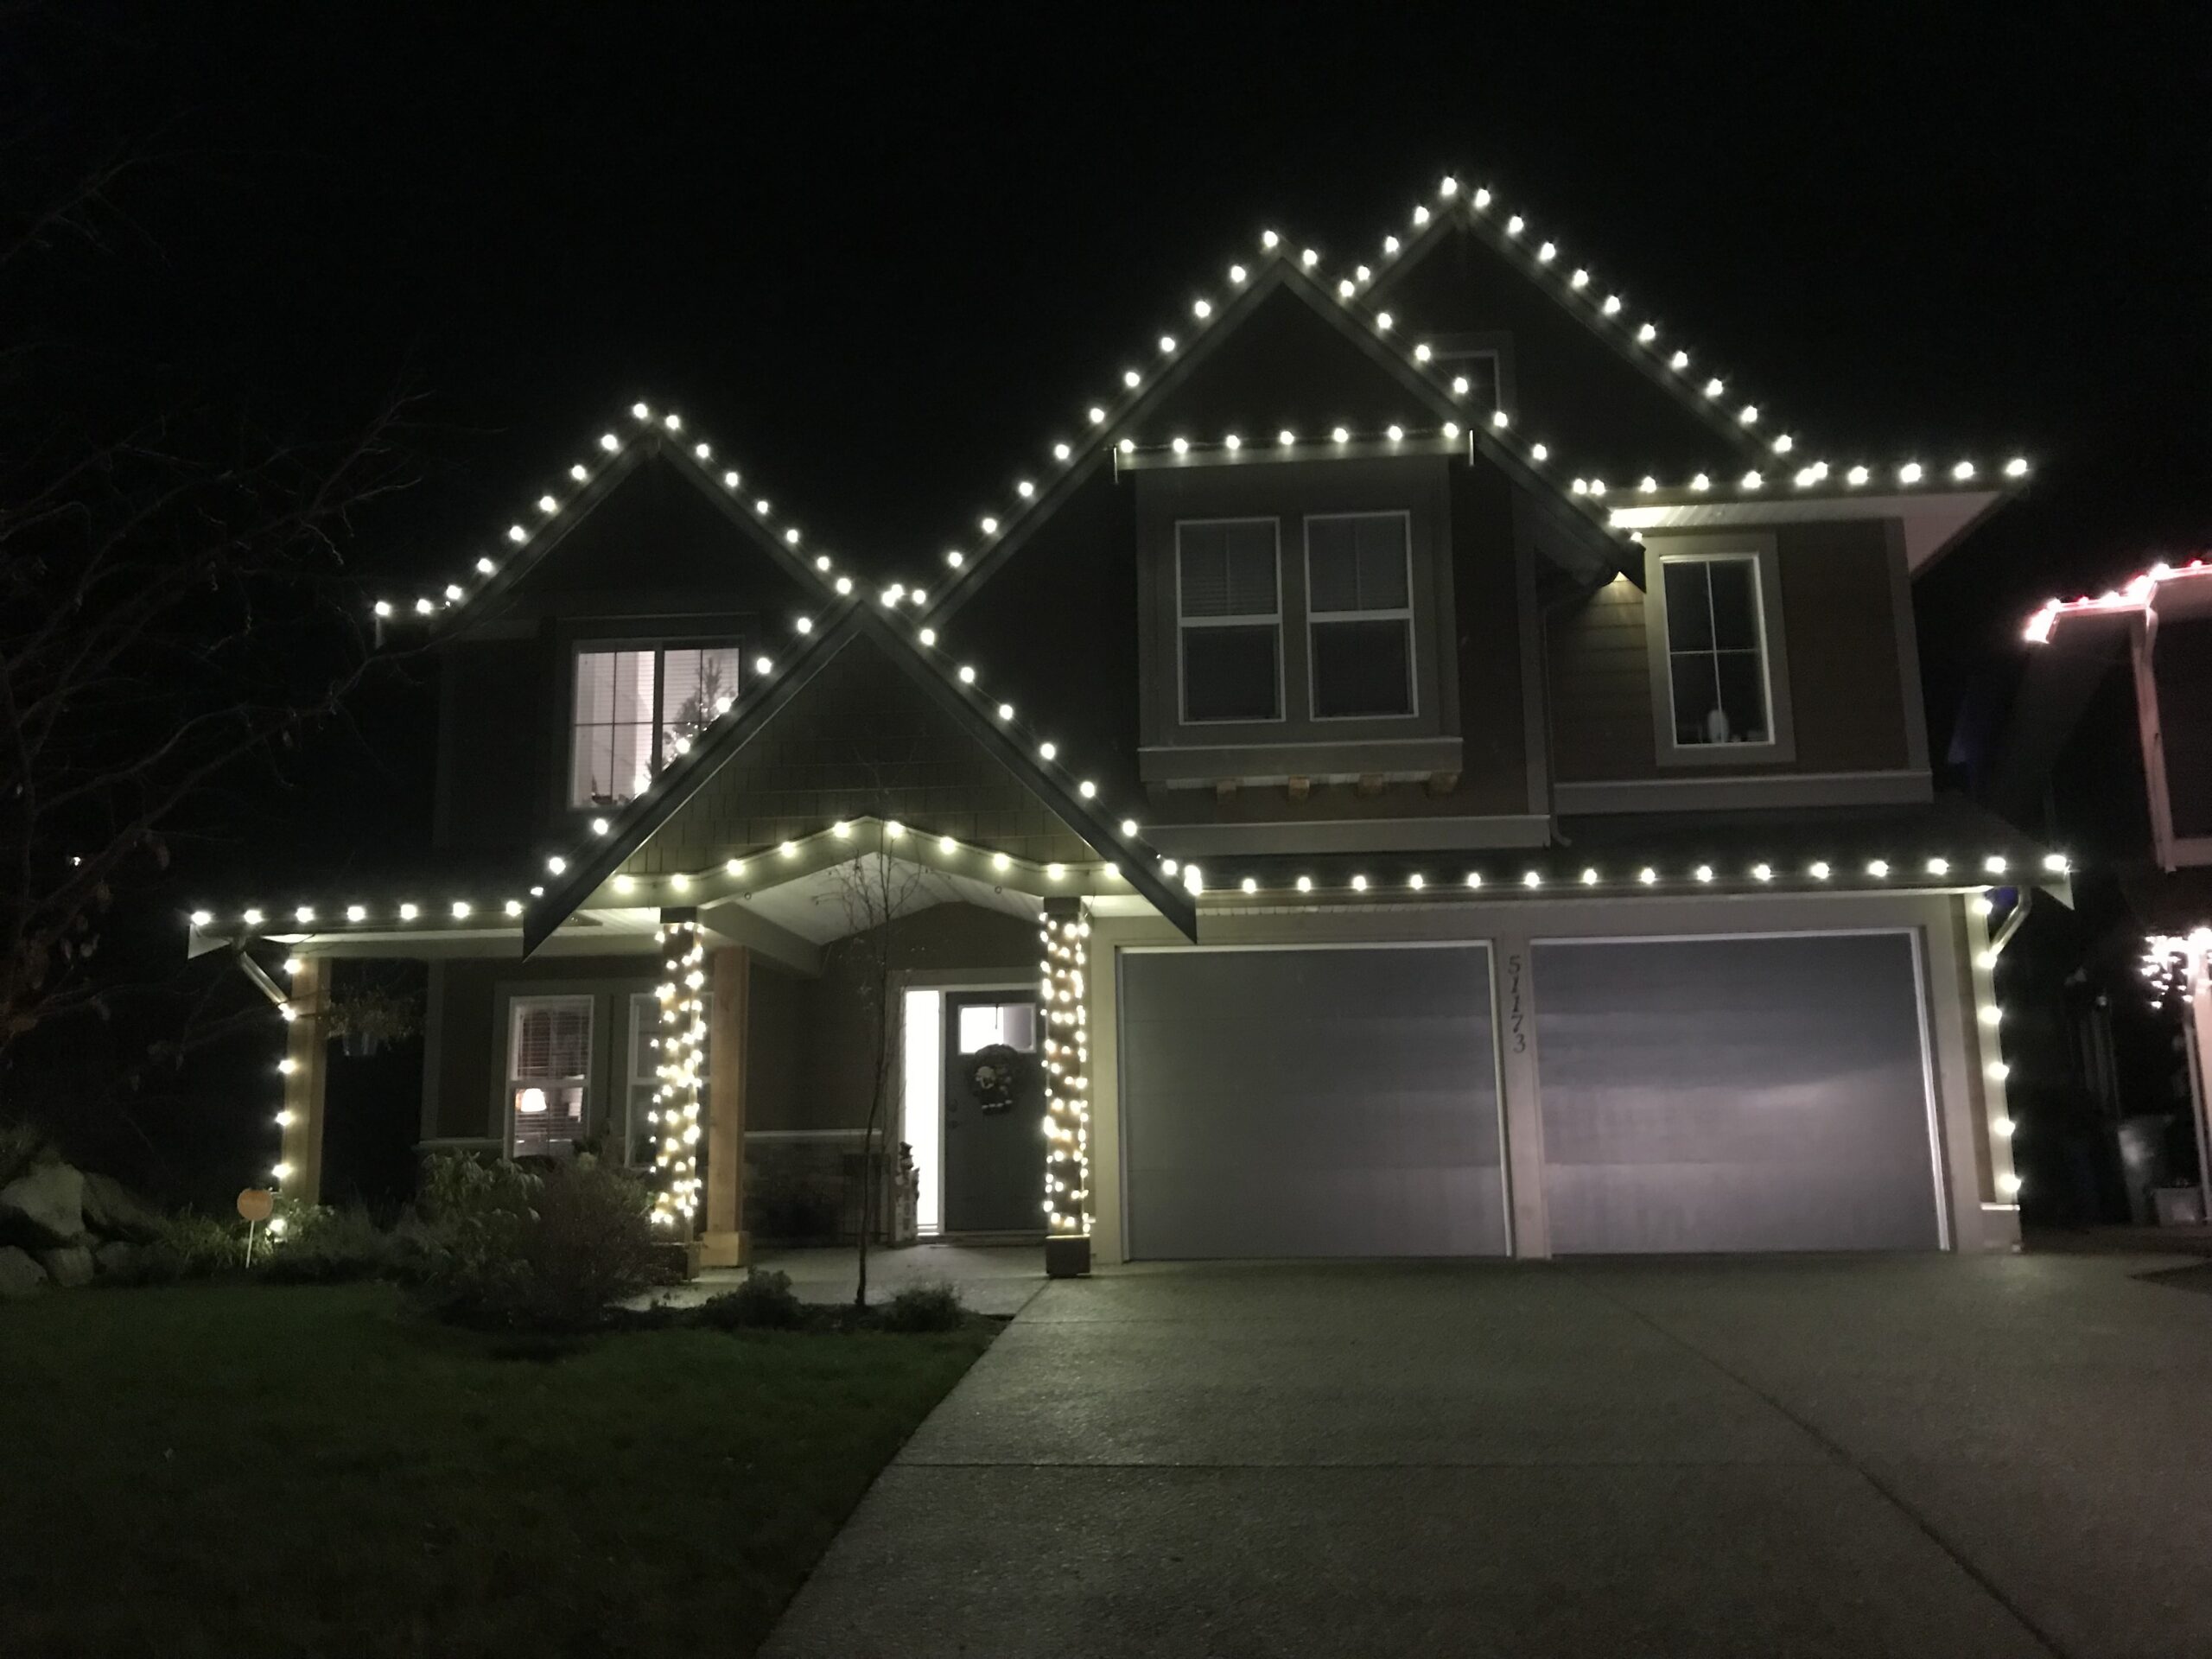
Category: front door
[994,1113]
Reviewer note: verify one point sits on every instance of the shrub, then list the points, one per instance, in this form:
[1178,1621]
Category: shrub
[321,1246]
[592,1244]
[765,1302]
[188,1246]
[507,1245]
[925,1308]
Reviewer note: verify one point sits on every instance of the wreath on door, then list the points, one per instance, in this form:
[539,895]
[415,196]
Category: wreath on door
[995,1073]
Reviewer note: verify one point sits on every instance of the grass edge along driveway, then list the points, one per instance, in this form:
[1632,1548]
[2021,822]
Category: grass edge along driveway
[219,1469]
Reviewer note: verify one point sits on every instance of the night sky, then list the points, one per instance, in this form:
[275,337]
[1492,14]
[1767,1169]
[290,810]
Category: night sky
[879,253]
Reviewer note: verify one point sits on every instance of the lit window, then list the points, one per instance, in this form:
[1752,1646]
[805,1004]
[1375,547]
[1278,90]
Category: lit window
[1229,619]
[1716,650]
[549,1068]
[632,710]
[1359,603]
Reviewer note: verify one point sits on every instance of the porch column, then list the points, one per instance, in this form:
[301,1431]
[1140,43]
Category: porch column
[307,1053]
[729,980]
[1064,986]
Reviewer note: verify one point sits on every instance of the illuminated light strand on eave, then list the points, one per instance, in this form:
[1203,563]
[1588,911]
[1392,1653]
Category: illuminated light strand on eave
[1817,479]
[1607,306]
[521,535]
[2136,593]
[739,875]
[841,586]
[1546,262]
[1789,470]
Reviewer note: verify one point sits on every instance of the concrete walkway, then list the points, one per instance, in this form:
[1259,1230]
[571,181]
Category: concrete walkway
[1807,1457]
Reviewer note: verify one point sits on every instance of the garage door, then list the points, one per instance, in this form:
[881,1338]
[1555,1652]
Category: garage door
[1340,1102]
[1734,1094]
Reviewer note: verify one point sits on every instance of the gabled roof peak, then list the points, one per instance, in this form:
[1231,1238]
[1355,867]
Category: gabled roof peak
[1360,293]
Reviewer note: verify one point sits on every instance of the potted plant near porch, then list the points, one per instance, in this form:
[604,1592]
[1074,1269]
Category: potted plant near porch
[366,1017]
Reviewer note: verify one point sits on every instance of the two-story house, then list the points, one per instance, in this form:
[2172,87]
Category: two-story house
[1426,763]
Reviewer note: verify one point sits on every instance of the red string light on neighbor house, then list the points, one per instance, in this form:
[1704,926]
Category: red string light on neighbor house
[2138,593]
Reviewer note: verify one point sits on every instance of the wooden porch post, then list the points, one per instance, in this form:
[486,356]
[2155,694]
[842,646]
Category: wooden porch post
[729,979]
[307,1053]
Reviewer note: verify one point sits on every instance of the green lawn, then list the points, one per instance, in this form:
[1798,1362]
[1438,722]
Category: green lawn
[274,1470]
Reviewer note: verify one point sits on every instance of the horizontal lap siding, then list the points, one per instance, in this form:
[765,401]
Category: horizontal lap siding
[1847,686]
[861,739]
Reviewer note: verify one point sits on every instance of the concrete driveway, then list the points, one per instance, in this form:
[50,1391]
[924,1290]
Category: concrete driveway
[1909,1456]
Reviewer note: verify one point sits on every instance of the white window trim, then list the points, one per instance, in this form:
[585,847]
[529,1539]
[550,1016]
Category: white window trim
[1780,744]
[1270,619]
[1448,358]
[643,1009]
[517,1008]
[1405,614]
[657,650]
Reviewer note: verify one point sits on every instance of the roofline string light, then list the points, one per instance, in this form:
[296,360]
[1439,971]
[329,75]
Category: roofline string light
[1696,388]
[2138,593]
[733,877]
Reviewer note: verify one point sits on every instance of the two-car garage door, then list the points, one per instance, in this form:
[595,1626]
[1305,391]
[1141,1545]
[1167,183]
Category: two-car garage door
[1705,1094]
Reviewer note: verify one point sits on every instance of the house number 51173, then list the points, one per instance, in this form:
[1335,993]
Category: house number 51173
[1515,1017]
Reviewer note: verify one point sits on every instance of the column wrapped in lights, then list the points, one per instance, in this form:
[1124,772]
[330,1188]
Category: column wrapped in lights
[675,1112]
[1062,985]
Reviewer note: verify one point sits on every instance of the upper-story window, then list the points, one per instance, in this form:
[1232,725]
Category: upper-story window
[635,706]
[1716,650]
[1359,614]
[1228,618]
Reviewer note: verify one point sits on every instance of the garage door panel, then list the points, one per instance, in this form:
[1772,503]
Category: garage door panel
[1337,1101]
[1734,1094]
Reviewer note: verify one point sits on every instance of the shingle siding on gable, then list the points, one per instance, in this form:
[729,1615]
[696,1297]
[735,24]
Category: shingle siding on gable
[1600,412]
[1845,683]
[861,738]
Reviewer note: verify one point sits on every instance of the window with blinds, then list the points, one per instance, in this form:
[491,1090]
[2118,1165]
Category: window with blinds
[1228,618]
[548,1071]
[1359,614]
[636,709]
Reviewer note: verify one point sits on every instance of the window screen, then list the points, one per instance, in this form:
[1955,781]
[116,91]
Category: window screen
[1359,597]
[1716,650]
[1485,385]
[549,1065]
[1229,615]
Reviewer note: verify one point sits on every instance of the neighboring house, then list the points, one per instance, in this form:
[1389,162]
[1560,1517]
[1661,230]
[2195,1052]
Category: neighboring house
[1428,764]
[2108,746]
